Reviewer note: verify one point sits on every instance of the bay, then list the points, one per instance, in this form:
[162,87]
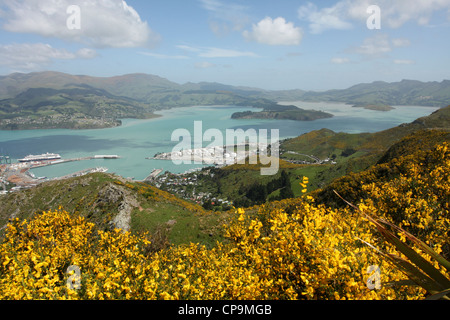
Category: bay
[136,140]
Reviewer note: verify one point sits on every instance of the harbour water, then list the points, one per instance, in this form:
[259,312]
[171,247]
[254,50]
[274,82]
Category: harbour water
[137,140]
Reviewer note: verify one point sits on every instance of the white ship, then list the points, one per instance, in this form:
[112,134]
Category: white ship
[41,157]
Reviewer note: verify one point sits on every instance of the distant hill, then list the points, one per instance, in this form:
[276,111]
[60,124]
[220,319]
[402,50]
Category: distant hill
[405,92]
[154,89]
[156,92]
[136,86]
[59,100]
[73,107]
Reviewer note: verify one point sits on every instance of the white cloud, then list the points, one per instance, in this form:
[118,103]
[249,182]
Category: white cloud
[275,32]
[400,42]
[394,14]
[107,23]
[324,19]
[340,60]
[163,56]
[26,56]
[213,52]
[376,46]
[225,16]
[294,54]
[204,65]
[224,53]
[188,48]
[404,61]
[379,46]
[86,53]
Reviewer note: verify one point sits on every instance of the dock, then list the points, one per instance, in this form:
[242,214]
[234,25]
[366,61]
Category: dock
[52,162]
[153,174]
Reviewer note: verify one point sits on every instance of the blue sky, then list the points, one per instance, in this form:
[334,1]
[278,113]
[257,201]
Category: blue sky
[285,44]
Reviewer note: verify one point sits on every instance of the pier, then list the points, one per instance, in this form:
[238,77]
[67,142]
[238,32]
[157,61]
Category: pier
[52,162]
[153,174]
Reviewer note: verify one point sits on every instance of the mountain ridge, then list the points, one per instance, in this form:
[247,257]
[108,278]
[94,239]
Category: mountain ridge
[138,95]
[140,86]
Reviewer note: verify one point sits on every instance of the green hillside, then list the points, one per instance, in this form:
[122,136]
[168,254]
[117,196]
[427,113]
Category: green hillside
[276,111]
[326,143]
[405,92]
[110,201]
[136,86]
[74,107]
[132,92]
[58,100]
[387,168]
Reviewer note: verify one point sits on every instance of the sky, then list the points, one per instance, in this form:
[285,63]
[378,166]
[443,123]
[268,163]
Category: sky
[273,45]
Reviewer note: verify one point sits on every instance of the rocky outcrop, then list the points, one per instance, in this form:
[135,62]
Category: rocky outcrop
[123,200]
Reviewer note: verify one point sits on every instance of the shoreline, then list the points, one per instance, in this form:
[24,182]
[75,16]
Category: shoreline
[117,123]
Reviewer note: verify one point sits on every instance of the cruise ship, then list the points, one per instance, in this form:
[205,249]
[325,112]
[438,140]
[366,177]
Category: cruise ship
[42,157]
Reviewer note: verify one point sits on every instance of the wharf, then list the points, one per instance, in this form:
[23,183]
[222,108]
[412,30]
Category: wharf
[153,174]
[52,162]
[19,175]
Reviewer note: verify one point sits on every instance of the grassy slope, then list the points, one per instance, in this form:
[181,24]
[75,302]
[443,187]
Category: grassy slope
[73,104]
[99,197]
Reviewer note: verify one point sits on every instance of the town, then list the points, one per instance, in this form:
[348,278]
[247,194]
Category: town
[217,155]
[186,186]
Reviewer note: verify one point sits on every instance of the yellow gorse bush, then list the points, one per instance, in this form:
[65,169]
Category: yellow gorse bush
[291,249]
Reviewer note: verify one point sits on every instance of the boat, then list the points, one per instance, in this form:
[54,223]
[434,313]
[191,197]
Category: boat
[41,157]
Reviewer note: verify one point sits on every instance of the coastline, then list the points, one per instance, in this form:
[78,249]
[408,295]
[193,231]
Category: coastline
[83,124]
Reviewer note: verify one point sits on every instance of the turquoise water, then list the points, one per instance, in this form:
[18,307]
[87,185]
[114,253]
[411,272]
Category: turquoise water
[137,139]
